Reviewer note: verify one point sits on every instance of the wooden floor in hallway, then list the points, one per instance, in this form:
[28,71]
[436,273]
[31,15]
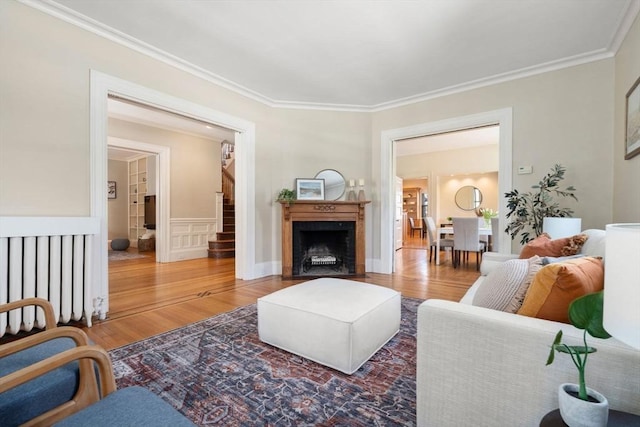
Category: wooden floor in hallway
[147,298]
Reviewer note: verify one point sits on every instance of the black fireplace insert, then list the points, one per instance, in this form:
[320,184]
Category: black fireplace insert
[324,248]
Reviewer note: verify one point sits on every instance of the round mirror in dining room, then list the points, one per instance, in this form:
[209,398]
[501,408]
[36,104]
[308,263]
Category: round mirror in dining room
[468,198]
[334,183]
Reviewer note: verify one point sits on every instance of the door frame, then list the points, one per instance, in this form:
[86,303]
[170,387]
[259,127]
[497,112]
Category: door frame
[103,85]
[502,117]
[162,178]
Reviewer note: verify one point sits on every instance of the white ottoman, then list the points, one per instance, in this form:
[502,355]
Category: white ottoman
[335,322]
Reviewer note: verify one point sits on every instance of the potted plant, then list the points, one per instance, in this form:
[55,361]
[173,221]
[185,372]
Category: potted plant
[487,214]
[527,211]
[286,196]
[579,404]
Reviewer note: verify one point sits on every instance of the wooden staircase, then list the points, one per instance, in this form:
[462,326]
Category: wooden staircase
[225,244]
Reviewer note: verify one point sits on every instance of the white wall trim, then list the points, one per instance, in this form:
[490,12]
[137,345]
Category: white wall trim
[101,86]
[502,117]
[34,226]
[219,210]
[163,178]
[190,237]
[68,15]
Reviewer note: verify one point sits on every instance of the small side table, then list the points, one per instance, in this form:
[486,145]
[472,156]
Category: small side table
[616,419]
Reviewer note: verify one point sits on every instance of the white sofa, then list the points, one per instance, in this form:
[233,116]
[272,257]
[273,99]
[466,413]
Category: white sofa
[482,367]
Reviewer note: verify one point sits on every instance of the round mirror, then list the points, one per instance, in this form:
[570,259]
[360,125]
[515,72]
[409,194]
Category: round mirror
[468,198]
[334,183]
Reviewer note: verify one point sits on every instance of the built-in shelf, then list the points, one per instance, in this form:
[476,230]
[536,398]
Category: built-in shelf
[137,191]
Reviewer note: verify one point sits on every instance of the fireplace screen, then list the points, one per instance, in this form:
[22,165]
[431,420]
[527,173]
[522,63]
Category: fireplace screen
[323,248]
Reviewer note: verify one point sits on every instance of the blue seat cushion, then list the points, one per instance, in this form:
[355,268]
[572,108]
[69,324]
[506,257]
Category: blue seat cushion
[43,393]
[131,406]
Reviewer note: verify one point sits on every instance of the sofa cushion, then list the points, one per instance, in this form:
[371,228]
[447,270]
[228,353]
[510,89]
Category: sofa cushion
[552,259]
[130,406]
[595,244]
[535,264]
[501,285]
[543,245]
[43,393]
[556,285]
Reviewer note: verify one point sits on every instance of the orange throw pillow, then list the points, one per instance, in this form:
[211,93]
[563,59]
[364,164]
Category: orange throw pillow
[544,246]
[556,285]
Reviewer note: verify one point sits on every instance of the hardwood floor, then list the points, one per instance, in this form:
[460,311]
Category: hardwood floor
[147,298]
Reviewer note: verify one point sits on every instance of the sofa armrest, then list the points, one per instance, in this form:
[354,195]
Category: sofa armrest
[477,366]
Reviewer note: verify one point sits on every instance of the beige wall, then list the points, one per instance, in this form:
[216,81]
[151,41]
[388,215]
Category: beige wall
[441,165]
[118,208]
[626,173]
[48,84]
[449,185]
[565,116]
[468,160]
[195,167]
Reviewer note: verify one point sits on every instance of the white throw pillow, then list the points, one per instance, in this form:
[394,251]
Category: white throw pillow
[501,285]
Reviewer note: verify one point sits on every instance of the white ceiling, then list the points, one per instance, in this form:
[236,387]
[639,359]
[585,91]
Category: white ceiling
[479,137]
[149,116]
[358,54]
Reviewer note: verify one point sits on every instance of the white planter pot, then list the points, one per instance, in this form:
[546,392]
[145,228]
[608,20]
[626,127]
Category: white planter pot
[576,412]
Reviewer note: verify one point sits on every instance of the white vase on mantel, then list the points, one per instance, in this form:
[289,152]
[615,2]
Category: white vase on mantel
[576,412]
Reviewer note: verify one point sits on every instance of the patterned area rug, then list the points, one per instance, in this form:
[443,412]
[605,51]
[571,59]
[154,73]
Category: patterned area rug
[123,255]
[218,372]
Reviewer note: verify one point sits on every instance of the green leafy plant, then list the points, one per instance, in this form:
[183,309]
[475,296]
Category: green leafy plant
[526,211]
[286,195]
[585,313]
[486,214]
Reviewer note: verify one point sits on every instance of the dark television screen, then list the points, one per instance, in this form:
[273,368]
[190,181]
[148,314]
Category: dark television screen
[150,212]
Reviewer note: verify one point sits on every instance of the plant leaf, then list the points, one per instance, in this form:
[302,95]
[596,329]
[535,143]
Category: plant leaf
[586,312]
[552,353]
[580,349]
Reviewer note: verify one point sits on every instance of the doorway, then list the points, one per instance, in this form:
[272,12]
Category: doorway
[132,201]
[103,86]
[503,118]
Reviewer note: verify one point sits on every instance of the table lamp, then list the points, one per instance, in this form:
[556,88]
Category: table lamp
[621,316]
[561,227]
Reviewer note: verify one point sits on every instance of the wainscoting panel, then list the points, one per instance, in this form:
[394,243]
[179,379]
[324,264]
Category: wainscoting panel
[190,237]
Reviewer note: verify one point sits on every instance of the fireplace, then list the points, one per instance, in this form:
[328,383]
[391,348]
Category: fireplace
[324,248]
[323,239]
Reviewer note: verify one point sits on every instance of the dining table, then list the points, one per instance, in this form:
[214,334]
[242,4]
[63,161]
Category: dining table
[484,231]
[448,230]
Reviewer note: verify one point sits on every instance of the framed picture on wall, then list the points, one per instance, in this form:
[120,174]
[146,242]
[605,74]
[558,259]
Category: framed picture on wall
[111,190]
[309,189]
[632,134]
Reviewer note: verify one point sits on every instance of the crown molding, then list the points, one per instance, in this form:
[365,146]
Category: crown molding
[59,11]
[624,25]
[70,16]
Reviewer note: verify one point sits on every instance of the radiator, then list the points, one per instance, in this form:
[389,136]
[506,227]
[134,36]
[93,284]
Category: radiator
[49,258]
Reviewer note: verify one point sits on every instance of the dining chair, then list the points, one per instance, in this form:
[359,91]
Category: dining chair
[433,238]
[466,238]
[485,238]
[495,235]
[413,227]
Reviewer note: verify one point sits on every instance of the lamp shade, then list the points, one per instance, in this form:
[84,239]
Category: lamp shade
[561,227]
[622,283]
